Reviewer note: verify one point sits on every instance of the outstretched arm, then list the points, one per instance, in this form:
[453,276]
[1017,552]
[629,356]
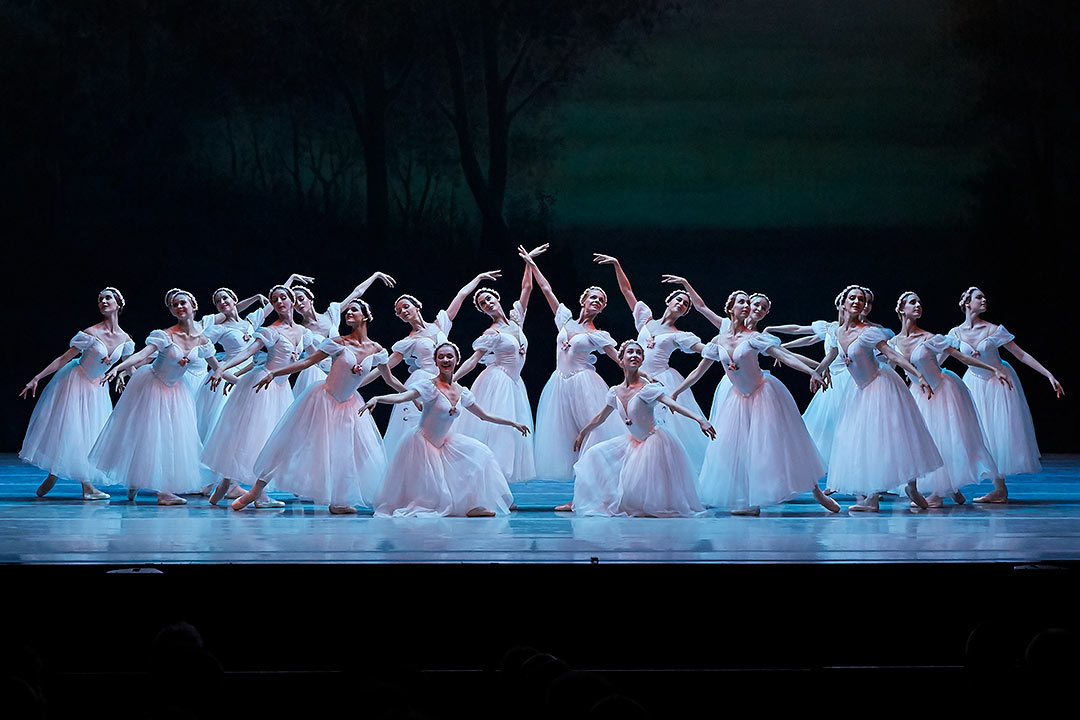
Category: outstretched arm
[624,282]
[693,377]
[134,360]
[545,286]
[801,342]
[1035,365]
[701,421]
[975,362]
[248,352]
[796,362]
[695,299]
[894,357]
[455,304]
[593,424]
[391,399]
[790,329]
[469,365]
[479,412]
[302,364]
[363,287]
[61,361]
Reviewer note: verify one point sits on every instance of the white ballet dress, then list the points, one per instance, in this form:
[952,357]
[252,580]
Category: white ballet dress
[572,397]
[418,351]
[72,410]
[322,448]
[151,439]
[328,328]
[1003,411]
[658,351]
[249,417]
[823,412]
[645,472]
[763,454]
[436,472]
[500,391]
[951,419]
[881,441]
[233,336]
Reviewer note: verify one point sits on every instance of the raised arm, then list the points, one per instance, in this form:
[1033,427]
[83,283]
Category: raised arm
[363,287]
[527,277]
[479,412]
[298,278]
[624,282]
[1035,365]
[59,362]
[545,286]
[593,424]
[677,408]
[469,365]
[693,377]
[695,299]
[455,304]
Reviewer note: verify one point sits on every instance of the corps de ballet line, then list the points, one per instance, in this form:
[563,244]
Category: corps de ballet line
[451,450]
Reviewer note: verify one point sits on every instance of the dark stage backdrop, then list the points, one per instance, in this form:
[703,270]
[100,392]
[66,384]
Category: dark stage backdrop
[786,147]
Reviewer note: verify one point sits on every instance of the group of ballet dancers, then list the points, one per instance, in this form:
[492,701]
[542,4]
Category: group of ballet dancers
[177,429]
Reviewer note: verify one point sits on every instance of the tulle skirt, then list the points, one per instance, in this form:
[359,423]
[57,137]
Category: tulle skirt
[209,405]
[195,380]
[151,439]
[686,430]
[823,413]
[404,418]
[244,427]
[69,415]
[567,404]
[308,377]
[499,393]
[323,450]
[1006,421]
[953,423]
[881,441]
[762,454]
[452,479]
[628,477]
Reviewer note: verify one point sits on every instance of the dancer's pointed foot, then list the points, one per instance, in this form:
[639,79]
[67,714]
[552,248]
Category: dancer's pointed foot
[932,501]
[89,492]
[750,511]
[266,503]
[480,512]
[866,504]
[220,490]
[170,499]
[826,502]
[244,500]
[235,491]
[208,491]
[916,496]
[341,510]
[46,485]
[999,497]
[565,507]
[958,498]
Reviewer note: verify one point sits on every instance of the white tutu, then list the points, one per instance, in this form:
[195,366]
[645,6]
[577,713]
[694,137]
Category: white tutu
[954,425]
[1006,421]
[308,377]
[567,404]
[504,396]
[209,405]
[436,473]
[244,427]
[824,410]
[324,450]
[404,417]
[686,430]
[418,352]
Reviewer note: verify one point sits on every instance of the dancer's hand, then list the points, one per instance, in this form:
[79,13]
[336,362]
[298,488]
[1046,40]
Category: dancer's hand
[539,250]
[386,279]
[526,256]
[1005,380]
[1058,390]
[297,277]
[31,387]
[264,381]
[523,429]
[369,406]
[925,387]
[489,275]
[105,379]
[578,441]
[121,384]
[674,279]
[707,429]
[605,259]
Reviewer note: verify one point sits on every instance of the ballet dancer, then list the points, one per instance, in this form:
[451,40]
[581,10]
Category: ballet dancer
[881,441]
[575,393]
[766,456]
[499,387]
[950,416]
[75,406]
[646,472]
[437,472]
[1003,411]
[661,338]
[151,440]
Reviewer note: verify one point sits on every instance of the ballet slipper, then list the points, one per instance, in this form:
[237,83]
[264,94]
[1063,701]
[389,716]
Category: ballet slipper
[235,492]
[170,499]
[826,502]
[958,498]
[932,501]
[748,512]
[513,506]
[92,493]
[480,512]
[916,496]
[996,497]
[267,504]
[244,500]
[219,491]
[866,504]
[565,507]
[46,485]
[208,491]
[342,510]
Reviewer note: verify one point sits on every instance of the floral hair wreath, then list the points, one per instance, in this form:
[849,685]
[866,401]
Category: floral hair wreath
[869,294]
[225,290]
[844,293]
[900,300]
[673,293]
[365,309]
[761,295]
[966,297]
[287,290]
[447,343]
[306,290]
[177,291]
[476,295]
[627,343]
[419,305]
[116,293]
[730,302]
[585,294]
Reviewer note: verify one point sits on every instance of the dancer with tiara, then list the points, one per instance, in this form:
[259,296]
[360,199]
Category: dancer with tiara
[950,416]
[499,387]
[765,456]
[75,406]
[323,448]
[417,349]
[437,472]
[249,418]
[151,440]
[575,393]
[1003,410]
[661,338]
[646,472]
[881,442]
[324,325]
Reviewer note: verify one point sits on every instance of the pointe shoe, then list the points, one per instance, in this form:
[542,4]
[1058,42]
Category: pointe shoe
[174,500]
[208,491]
[831,505]
[916,497]
[96,495]
[749,512]
[933,501]
[341,510]
[219,493]
[958,498]
[267,503]
[864,507]
[480,512]
[235,492]
[46,485]
[997,497]
[565,507]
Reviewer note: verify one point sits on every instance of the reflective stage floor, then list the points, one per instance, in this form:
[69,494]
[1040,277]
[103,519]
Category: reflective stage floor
[1041,523]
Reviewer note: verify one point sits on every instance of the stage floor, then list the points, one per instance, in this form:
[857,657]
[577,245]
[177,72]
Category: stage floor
[1041,523]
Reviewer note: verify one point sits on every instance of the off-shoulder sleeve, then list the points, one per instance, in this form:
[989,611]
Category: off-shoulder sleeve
[761,342]
[442,319]
[331,348]
[334,311]
[651,392]
[159,339]
[686,341]
[403,346]
[129,349]
[874,335]
[725,324]
[517,313]
[1000,337]
[427,391]
[308,339]
[206,349]
[81,341]
[711,351]
[562,316]
[642,315]
[611,399]
[207,321]
[268,335]
[380,358]
[214,332]
[820,328]
[257,317]
[467,398]
[486,342]
[938,343]
[601,339]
